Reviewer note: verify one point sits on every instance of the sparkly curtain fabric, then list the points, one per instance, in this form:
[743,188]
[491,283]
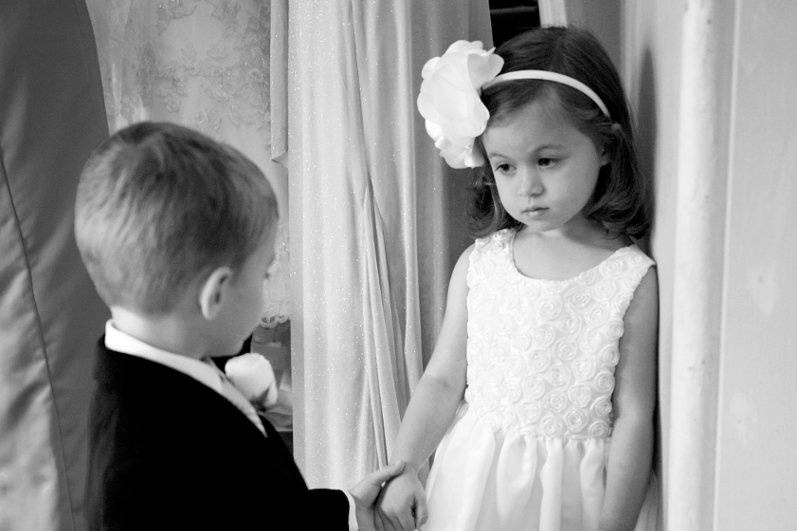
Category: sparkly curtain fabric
[204,64]
[51,117]
[375,217]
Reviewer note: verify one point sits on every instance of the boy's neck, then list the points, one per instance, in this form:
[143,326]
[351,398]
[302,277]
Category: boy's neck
[170,332]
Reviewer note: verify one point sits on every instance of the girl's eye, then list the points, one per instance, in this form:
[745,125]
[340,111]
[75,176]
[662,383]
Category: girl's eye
[503,168]
[545,162]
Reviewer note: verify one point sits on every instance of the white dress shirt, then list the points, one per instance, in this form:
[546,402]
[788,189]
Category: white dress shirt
[124,343]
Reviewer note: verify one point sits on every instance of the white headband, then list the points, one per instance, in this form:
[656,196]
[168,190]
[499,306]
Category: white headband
[556,77]
[450,98]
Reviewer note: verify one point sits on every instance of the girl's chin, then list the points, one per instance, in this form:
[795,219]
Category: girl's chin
[540,225]
[545,223]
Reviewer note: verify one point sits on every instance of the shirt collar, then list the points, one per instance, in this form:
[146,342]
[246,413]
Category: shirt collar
[122,342]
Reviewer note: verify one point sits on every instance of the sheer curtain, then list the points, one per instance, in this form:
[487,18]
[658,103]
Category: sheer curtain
[200,63]
[375,218]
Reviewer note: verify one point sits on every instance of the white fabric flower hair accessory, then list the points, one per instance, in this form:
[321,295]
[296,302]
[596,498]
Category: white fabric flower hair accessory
[450,97]
[449,100]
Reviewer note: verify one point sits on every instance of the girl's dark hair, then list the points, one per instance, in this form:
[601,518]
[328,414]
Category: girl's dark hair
[620,202]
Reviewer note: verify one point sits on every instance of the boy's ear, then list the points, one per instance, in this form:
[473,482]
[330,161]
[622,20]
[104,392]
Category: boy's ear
[213,291]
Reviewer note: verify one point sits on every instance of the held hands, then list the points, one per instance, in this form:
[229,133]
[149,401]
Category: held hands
[402,503]
[366,491]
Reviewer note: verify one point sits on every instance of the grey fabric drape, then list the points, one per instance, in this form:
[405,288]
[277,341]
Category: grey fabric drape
[51,116]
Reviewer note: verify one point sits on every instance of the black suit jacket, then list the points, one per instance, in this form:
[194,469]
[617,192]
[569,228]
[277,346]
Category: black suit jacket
[167,452]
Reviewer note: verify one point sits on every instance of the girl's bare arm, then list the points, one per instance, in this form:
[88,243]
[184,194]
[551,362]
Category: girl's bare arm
[634,401]
[432,407]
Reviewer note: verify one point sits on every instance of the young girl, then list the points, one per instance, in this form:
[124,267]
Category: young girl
[550,328]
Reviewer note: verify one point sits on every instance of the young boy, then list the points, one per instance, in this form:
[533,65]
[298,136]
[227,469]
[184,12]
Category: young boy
[177,232]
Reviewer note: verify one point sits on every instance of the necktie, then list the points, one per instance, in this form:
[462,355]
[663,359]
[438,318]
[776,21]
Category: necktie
[234,395]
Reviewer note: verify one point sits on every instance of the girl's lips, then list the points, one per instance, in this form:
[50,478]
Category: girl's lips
[535,212]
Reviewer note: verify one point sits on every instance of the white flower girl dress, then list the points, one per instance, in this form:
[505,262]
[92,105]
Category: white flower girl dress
[530,444]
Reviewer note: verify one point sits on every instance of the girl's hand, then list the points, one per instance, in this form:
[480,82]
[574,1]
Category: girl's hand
[402,503]
[366,491]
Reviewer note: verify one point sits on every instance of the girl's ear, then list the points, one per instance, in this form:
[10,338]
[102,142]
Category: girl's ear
[610,145]
[213,292]
[606,155]
[606,151]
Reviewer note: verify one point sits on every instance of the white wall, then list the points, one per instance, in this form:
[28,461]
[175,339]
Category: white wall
[756,458]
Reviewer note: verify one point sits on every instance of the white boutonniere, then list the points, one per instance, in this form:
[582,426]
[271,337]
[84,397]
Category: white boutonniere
[253,376]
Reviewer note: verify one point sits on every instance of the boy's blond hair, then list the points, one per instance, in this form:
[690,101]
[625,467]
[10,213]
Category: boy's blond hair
[159,204]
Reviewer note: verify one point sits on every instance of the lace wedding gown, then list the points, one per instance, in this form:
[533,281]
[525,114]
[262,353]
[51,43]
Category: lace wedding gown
[530,444]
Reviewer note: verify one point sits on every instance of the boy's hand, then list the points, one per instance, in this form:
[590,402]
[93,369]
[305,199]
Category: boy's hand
[366,491]
[402,503]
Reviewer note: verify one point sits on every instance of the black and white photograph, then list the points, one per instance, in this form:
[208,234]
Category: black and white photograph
[396,265]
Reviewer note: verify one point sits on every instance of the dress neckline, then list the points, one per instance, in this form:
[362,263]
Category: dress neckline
[511,251]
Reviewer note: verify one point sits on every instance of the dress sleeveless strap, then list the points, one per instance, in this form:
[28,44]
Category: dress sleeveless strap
[628,267]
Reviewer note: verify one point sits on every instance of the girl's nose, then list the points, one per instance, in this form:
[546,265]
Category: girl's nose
[530,184]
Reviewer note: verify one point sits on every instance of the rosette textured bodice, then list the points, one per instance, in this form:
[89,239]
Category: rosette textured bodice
[530,444]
